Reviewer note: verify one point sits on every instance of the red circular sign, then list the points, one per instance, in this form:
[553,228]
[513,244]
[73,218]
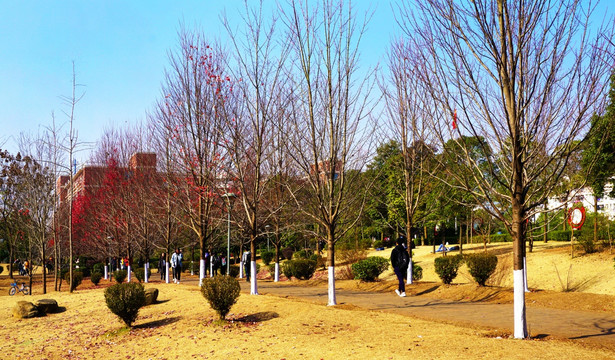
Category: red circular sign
[576,217]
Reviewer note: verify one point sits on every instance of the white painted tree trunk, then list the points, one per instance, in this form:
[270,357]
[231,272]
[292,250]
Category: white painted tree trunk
[211,268]
[201,272]
[520,331]
[409,273]
[167,272]
[106,272]
[253,286]
[129,273]
[332,300]
[241,269]
[525,287]
[146,278]
[276,277]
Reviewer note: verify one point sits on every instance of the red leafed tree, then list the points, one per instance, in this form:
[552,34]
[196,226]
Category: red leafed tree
[188,124]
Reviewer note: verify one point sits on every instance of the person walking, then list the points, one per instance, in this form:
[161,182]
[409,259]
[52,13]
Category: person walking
[162,264]
[246,258]
[400,261]
[176,264]
[222,264]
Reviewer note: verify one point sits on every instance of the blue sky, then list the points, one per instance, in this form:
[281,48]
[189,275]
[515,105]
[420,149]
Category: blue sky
[120,53]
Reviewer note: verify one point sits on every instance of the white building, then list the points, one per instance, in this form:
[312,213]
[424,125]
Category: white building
[606,203]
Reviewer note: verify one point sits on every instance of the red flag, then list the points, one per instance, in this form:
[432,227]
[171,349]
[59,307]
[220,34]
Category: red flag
[455,120]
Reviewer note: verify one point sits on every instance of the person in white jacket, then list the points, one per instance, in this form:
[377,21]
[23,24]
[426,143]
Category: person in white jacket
[176,264]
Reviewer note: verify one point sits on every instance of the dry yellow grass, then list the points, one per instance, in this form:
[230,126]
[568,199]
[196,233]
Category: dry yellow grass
[266,327]
[182,326]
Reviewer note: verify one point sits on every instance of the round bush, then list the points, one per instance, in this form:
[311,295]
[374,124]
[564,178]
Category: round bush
[125,300]
[98,268]
[95,278]
[369,269]
[417,272]
[267,256]
[120,276]
[221,292]
[233,271]
[378,244]
[447,266]
[481,266]
[302,269]
[77,278]
[140,274]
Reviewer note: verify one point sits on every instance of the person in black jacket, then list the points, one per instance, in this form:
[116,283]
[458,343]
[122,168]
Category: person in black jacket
[400,260]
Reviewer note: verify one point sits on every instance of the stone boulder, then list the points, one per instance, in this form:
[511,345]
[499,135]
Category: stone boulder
[25,310]
[151,295]
[47,306]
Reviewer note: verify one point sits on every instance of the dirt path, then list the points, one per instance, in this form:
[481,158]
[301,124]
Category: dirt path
[580,326]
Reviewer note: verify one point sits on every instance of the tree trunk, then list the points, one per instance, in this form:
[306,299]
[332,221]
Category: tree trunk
[253,284]
[595,219]
[331,267]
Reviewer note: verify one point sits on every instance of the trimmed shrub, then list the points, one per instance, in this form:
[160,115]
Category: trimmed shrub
[378,244]
[559,235]
[481,266]
[267,256]
[95,278]
[447,266]
[98,268]
[233,271]
[417,272]
[496,238]
[288,253]
[140,274]
[221,292]
[125,300]
[120,276]
[586,239]
[77,278]
[302,269]
[303,254]
[370,268]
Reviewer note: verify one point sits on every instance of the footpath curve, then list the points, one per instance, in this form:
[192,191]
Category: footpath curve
[579,326]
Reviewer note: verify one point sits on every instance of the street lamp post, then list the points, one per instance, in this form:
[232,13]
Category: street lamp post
[267,230]
[229,197]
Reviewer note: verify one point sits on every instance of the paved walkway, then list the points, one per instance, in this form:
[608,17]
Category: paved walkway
[583,326]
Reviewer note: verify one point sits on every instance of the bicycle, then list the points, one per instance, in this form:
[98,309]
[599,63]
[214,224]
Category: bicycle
[25,289]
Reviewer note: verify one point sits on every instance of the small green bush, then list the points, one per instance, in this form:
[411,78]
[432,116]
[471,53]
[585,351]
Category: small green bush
[125,300]
[301,254]
[77,278]
[370,268]
[287,253]
[120,276]
[417,272]
[140,274]
[221,292]
[267,256]
[586,239]
[302,269]
[378,244]
[481,266]
[98,268]
[559,235]
[95,278]
[233,271]
[447,266]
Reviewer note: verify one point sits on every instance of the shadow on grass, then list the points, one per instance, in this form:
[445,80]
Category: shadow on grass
[427,291]
[158,323]
[258,317]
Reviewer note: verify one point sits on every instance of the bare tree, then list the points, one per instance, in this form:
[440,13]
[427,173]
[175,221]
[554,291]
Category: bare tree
[328,114]
[525,78]
[408,114]
[260,68]
[196,83]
